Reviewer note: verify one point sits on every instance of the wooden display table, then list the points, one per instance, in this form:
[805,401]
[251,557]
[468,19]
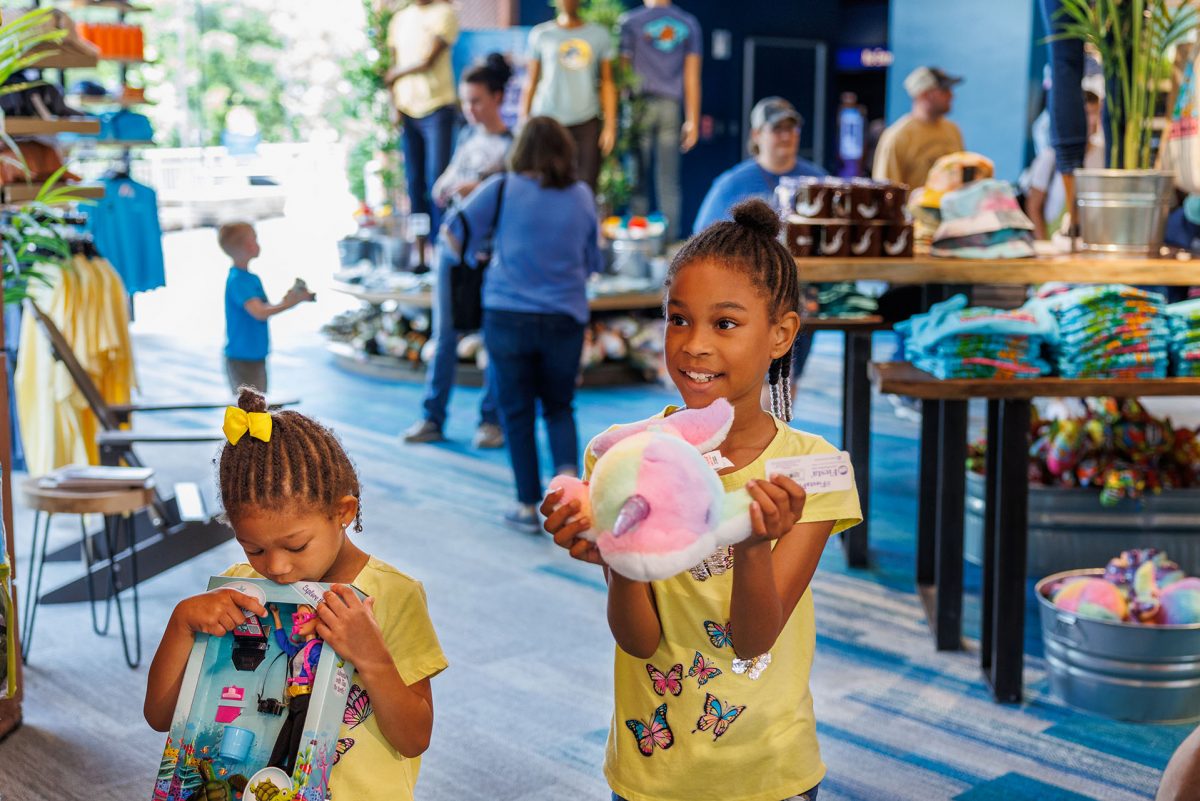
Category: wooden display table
[118,508]
[1070,269]
[942,277]
[631,301]
[467,375]
[1006,509]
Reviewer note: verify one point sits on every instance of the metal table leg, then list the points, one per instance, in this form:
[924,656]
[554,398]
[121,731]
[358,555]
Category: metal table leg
[930,455]
[86,546]
[114,526]
[33,587]
[950,506]
[1010,512]
[856,437]
[989,532]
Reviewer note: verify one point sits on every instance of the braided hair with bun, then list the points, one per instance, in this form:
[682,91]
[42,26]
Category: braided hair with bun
[303,465]
[750,244]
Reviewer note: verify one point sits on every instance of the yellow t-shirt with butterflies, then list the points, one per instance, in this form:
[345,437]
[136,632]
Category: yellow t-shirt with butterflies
[693,722]
[368,768]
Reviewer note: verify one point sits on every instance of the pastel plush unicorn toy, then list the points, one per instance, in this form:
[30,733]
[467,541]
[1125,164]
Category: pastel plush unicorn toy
[657,507]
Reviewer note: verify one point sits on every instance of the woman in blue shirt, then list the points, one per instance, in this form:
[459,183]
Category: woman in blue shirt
[534,296]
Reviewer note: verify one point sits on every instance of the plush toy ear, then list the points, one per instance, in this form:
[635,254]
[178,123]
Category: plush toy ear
[603,442]
[705,428]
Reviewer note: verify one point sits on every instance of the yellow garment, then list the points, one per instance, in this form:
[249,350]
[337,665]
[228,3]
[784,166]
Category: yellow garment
[370,769]
[411,35]
[88,304]
[769,751]
[239,422]
[908,149]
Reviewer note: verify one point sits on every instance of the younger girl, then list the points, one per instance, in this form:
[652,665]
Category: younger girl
[290,492]
[712,665]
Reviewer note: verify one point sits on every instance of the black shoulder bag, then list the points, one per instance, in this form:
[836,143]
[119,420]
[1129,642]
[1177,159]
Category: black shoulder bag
[466,282]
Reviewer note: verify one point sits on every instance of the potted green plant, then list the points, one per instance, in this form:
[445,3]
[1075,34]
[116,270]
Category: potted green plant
[30,237]
[1123,210]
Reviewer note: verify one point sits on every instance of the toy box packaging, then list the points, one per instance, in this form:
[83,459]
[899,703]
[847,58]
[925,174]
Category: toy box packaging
[255,720]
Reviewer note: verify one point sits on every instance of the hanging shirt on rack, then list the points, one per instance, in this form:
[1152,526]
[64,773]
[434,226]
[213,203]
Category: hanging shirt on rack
[89,305]
[124,224]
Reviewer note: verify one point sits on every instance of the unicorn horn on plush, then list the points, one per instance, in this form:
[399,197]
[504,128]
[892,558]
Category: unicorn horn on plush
[657,507]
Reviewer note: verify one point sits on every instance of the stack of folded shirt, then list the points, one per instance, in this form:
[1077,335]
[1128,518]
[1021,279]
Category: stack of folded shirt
[843,299]
[1107,331]
[1185,338]
[953,341]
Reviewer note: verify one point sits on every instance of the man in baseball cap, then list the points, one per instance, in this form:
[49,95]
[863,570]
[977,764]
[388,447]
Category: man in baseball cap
[908,149]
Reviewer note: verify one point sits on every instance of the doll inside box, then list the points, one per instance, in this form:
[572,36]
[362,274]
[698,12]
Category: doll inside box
[245,721]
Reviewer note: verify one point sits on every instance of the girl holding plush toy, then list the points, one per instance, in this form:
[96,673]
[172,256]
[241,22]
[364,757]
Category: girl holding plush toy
[714,651]
[291,494]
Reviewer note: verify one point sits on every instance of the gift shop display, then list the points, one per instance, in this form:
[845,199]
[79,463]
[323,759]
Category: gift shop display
[834,218]
[261,707]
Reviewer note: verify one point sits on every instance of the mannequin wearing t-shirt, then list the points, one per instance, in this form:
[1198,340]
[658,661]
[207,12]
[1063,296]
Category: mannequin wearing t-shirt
[664,45]
[422,83]
[570,80]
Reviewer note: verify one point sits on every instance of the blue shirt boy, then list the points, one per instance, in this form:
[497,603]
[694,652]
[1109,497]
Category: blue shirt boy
[742,182]
[246,338]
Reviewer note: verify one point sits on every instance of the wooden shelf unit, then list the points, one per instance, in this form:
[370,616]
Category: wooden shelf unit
[36,126]
[24,193]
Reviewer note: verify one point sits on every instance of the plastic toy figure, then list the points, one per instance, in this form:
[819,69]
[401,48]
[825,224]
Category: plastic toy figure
[303,651]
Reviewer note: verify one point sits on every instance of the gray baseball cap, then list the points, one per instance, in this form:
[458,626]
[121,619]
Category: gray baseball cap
[772,110]
[922,79]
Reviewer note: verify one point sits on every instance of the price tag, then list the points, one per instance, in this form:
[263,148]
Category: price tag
[825,472]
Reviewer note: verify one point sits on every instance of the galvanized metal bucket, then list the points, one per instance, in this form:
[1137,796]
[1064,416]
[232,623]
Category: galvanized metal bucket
[1068,527]
[1122,212]
[1126,671]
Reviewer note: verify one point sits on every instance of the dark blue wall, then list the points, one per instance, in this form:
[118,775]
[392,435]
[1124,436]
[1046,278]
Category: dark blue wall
[722,80]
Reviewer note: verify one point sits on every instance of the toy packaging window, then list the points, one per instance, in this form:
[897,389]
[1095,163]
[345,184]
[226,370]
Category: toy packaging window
[260,708]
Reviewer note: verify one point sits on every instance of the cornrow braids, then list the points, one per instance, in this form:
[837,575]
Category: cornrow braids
[303,464]
[750,244]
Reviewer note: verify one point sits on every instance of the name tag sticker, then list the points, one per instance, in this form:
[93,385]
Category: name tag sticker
[825,472]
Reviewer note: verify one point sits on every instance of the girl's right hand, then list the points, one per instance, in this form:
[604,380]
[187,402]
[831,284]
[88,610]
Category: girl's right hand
[216,612]
[564,523]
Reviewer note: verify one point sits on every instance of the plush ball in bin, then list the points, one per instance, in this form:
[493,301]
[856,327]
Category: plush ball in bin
[1138,586]
[1092,597]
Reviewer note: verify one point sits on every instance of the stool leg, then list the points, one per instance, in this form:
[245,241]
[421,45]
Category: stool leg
[34,585]
[89,559]
[119,524]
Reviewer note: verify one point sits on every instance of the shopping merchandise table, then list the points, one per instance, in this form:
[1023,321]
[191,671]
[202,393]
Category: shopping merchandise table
[940,279]
[1006,512]
[1070,269]
[626,301]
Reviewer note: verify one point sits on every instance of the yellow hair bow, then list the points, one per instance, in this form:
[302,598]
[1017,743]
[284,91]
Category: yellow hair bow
[238,422]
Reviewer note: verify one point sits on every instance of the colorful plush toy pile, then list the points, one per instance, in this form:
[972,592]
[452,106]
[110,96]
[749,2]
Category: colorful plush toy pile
[1116,446]
[1141,586]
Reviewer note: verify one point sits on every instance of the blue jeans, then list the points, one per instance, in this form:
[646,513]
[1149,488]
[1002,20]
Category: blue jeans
[1068,121]
[658,143]
[811,795]
[535,358]
[428,143]
[440,376]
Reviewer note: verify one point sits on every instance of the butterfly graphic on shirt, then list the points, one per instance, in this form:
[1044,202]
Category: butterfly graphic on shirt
[703,670]
[654,733]
[717,716]
[670,682]
[358,706]
[344,744]
[720,636]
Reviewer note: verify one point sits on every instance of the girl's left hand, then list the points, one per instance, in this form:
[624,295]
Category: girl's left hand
[348,625]
[777,507]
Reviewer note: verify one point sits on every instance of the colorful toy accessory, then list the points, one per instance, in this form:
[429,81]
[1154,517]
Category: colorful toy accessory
[657,507]
[239,422]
